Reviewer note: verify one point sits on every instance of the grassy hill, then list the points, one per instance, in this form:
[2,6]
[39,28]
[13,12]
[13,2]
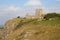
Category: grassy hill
[24,29]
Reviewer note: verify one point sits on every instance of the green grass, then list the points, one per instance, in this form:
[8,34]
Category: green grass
[46,22]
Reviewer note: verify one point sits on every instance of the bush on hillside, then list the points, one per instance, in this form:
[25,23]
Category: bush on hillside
[52,16]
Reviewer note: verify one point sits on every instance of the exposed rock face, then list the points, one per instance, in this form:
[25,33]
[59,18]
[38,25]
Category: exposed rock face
[1,34]
[11,25]
[30,31]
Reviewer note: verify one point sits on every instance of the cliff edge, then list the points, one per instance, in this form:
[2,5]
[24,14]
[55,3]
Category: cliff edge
[24,29]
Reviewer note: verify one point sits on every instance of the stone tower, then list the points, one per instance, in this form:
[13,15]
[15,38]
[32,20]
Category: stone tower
[38,13]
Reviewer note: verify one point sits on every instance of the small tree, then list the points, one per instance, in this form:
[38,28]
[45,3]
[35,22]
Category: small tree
[18,17]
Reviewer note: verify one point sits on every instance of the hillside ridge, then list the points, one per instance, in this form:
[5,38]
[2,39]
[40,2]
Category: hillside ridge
[26,29]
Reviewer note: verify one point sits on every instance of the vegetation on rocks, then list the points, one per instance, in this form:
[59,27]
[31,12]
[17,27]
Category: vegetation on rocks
[25,29]
[52,16]
[32,29]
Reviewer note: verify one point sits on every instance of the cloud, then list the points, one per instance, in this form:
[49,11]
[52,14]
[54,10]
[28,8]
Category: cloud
[10,11]
[52,9]
[7,13]
[58,0]
[55,9]
[11,8]
[33,3]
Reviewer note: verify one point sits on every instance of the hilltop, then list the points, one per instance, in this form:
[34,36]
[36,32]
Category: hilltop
[25,29]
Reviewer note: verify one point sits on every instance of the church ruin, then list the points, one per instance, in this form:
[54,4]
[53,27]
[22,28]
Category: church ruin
[38,14]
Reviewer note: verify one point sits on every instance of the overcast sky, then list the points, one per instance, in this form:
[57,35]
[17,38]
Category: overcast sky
[13,8]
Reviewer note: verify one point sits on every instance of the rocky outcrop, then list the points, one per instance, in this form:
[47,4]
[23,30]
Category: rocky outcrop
[1,33]
[17,29]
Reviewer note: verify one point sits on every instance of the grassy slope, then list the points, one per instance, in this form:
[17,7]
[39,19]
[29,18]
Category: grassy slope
[46,30]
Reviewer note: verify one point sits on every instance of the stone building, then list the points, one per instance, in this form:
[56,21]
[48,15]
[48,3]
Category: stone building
[29,16]
[38,15]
